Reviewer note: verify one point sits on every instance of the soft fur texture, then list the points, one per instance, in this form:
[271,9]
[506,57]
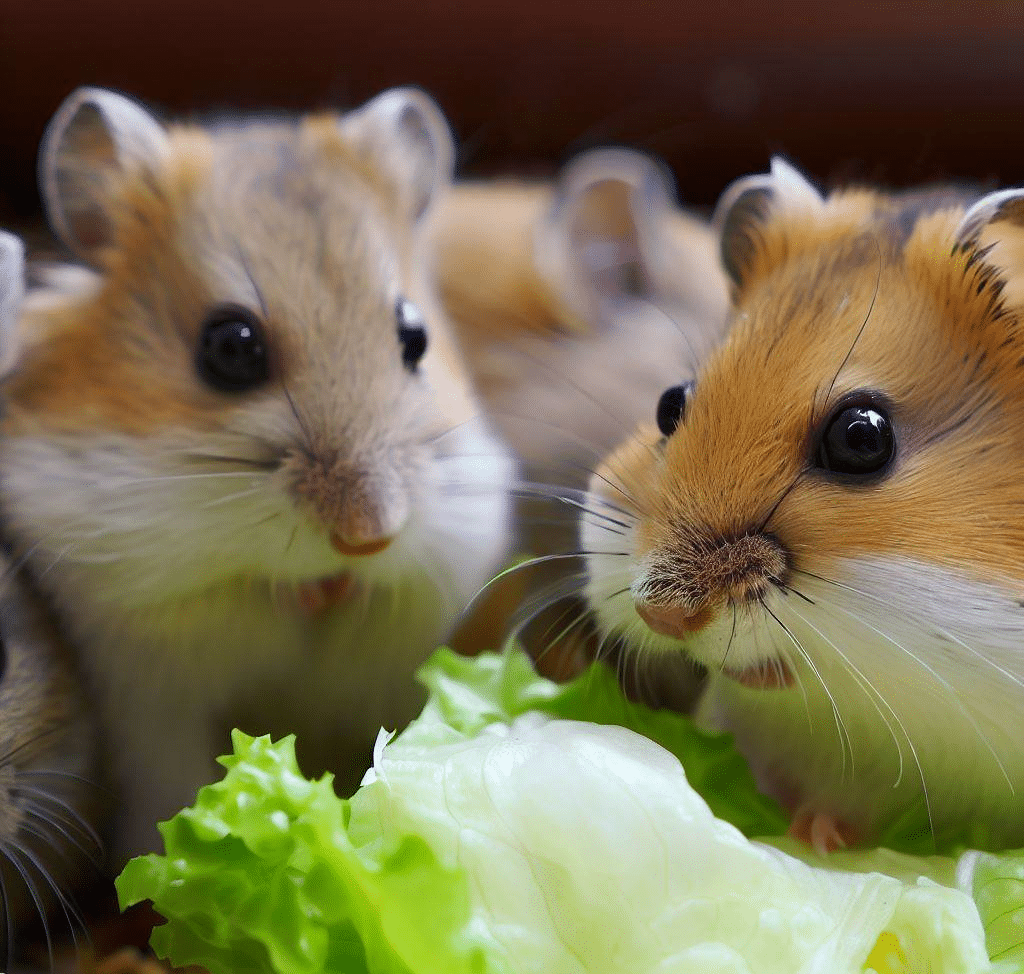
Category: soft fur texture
[50,795]
[576,303]
[883,665]
[185,532]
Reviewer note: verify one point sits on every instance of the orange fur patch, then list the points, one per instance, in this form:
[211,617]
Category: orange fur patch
[832,305]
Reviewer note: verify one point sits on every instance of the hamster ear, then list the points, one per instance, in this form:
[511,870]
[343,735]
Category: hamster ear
[12,280]
[1005,206]
[12,289]
[95,138]
[603,235]
[749,203]
[403,133]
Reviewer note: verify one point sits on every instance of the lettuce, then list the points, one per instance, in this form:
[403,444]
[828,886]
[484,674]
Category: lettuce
[518,827]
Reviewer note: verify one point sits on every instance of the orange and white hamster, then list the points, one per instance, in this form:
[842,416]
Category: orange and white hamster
[241,454]
[831,518]
[51,804]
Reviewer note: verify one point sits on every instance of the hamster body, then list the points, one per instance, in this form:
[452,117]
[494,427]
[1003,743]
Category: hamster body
[829,519]
[50,800]
[568,298]
[256,495]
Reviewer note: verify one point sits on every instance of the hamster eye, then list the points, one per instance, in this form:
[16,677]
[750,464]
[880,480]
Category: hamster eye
[412,333]
[857,440]
[672,407]
[232,353]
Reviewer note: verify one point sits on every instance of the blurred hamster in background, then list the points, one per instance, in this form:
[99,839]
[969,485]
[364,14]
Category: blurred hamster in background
[240,452]
[830,518]
[576,302]
[51,806]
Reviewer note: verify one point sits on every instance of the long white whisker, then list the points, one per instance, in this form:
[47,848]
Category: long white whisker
[939,629]
[945,684]
[867,686]
[10,851]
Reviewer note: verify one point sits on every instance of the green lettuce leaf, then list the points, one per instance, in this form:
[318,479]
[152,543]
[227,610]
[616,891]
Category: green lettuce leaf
[519,826]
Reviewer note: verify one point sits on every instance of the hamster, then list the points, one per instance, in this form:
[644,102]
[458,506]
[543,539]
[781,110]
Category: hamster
[241,453]
[568,297]
[830,517]
[51,805]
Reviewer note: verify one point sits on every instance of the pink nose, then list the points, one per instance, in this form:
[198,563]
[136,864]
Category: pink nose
[359,547]
[674,622]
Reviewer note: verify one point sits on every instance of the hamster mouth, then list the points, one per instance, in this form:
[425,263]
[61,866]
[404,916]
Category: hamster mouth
[319,596]
[769,674]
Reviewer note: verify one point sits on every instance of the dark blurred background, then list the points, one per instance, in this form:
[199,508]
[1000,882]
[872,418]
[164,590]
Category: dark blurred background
[897,92]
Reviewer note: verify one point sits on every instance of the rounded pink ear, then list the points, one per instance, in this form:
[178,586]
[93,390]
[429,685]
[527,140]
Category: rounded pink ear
[604,238]
[750,203]
[404,135]
[93,140]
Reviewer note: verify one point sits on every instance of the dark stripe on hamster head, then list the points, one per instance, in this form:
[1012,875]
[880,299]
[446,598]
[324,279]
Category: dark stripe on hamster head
[897,216]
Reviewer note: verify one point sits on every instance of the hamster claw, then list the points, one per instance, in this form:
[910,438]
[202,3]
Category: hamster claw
[821,831]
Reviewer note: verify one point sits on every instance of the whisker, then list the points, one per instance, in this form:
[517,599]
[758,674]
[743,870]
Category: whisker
[264,466]
[32,741]
[56,773]
[845,742]
[8,907]
[119,484]
[230,498]
[51,822]
[308,444]
[694,357]
[71,912]
[943,683]
[9,853]
[864,323]
[560,375]
[939,629]
[867,685]
[76,818]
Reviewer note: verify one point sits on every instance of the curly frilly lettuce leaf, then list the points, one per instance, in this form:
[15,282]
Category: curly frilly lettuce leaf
[501,834]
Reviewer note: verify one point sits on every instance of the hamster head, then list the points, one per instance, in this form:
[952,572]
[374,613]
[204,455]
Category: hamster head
[829,518]
[257,383]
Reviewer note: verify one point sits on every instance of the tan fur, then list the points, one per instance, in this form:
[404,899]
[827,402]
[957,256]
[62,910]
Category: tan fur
[868,294]
[745,437]
[279,557]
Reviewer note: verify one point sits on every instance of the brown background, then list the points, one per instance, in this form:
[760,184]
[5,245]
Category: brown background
[897,92]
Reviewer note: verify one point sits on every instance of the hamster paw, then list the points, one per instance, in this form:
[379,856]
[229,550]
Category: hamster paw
[129,960]
[821,831]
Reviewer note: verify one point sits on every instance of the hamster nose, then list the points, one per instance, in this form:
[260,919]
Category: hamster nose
[371,547]
[674,622]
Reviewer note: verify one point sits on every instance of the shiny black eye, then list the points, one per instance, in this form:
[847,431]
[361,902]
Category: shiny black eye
[232,353]
[412,333]
[672,407]
[857,440]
